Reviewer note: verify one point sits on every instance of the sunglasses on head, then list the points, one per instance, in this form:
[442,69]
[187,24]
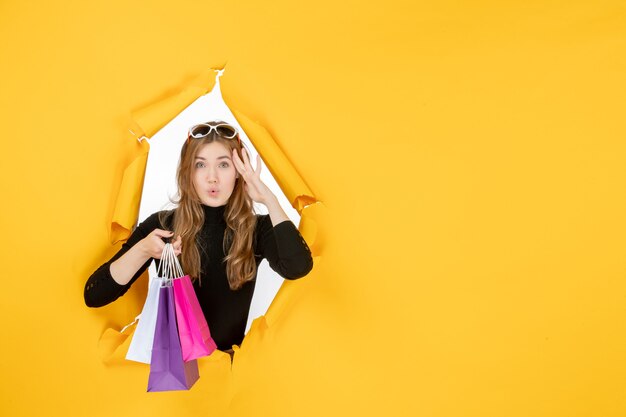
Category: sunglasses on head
[203,130]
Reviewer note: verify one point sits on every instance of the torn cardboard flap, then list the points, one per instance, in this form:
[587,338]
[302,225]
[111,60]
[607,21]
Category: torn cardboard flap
[128,197]
[150,119]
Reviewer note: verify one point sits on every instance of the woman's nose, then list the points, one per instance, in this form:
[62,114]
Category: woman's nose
[211,176]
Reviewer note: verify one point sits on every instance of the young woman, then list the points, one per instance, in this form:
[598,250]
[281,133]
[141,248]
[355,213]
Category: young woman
[219,238]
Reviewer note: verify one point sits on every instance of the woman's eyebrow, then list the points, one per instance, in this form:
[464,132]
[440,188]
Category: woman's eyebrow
[219,157]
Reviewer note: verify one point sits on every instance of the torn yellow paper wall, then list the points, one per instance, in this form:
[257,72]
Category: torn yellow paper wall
[472,156]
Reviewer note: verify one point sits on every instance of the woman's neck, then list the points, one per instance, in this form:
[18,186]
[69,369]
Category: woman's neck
[213,214]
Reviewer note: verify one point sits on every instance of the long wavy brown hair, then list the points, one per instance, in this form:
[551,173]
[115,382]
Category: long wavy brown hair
[188,217]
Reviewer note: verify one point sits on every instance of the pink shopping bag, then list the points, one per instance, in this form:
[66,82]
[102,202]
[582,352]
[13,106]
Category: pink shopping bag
[193,330]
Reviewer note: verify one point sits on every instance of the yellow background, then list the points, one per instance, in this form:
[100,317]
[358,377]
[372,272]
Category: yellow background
[470,156]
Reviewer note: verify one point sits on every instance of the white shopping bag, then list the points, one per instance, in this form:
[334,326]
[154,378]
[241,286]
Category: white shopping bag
[140,349]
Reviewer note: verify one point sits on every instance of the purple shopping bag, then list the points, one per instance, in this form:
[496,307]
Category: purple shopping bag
[193,330]
[168,370]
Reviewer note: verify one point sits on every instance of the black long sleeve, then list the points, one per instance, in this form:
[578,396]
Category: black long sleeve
[284,248]
[226,310]
[101,289]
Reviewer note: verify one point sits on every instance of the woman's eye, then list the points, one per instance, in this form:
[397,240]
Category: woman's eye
[199,165]
[225,165]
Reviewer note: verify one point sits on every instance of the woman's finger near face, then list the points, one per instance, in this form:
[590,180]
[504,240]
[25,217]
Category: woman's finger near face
[258,165]
[242,161]
[237,161]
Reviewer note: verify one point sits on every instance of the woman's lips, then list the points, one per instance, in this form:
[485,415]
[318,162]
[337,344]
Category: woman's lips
[213,193]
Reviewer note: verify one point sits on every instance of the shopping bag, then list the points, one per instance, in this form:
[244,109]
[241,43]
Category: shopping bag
[193,330]
[140,349]
[168,370]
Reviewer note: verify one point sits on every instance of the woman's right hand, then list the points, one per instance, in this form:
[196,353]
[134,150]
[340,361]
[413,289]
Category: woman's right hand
[152,245]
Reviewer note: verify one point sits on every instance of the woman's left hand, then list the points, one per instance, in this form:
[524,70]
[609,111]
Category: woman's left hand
[255,188]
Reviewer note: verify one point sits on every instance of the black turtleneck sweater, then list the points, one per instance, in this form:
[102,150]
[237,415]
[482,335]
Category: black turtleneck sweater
[226,310]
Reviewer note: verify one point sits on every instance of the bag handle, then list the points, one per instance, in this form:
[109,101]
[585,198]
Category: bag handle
[161,268]
[178,270]
[170,256]
[170,263]
[169,267]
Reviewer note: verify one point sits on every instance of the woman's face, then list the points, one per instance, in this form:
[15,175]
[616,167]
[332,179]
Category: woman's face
[214,174]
